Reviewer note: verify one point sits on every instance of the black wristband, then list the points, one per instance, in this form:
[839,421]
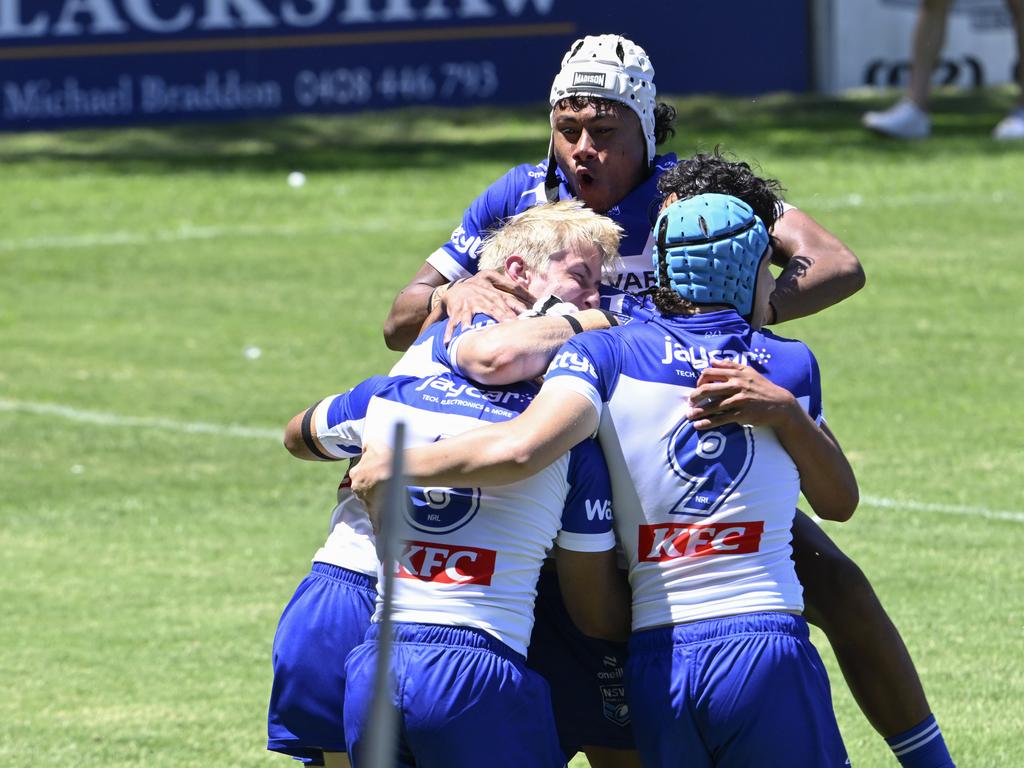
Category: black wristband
[573,323]
[611,317]
[307,436]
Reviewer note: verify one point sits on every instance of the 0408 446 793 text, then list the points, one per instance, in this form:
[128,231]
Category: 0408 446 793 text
[456,80]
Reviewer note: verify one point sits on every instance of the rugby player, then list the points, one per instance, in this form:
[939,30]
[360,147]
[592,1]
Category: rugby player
[464,594]
[560,248]
[603,152]
[721,671]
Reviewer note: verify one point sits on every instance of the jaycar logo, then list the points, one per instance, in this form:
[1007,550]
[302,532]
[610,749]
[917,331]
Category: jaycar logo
[455,391]
[701,357]
[573,362]
[444,564]
[465,243]
[595,79]
[659,543]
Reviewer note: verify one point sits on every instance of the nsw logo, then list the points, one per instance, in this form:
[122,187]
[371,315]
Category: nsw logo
[591,79]
[441,510]
[615,708]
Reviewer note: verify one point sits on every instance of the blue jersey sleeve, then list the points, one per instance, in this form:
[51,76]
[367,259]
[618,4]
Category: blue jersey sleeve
[791,364]
[814,406]
[429,355]
[448,354]
[516,191]
[587,364]
[337,421]
[587,516]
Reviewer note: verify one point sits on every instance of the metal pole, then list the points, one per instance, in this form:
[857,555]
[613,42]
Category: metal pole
[382,745]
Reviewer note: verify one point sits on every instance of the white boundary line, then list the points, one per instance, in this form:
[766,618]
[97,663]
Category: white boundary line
[141,422]
[237,430]
[187,232]
[855,200]
[949,509]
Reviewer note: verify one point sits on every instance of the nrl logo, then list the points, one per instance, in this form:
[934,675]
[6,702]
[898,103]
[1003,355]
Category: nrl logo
[595,79]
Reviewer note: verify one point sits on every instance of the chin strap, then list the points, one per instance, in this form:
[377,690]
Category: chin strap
[551,182]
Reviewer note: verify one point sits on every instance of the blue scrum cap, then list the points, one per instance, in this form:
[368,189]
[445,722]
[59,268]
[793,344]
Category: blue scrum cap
[712,245]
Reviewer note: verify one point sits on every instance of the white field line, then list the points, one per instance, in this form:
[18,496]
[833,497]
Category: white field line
[141,422]
[948,509]
[855,200]
[187,232]
[234,430]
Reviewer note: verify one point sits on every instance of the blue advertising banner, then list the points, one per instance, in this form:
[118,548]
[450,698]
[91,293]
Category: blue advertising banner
[76,63]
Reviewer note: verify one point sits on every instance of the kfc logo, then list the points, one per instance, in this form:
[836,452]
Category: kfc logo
[658,543]
[443,564]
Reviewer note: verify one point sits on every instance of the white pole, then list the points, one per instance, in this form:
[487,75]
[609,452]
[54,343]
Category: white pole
[382,745]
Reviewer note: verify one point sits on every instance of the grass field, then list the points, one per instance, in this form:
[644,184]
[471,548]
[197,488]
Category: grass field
[147,549]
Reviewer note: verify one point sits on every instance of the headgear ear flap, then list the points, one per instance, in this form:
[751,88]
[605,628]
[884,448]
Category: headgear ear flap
[712,246]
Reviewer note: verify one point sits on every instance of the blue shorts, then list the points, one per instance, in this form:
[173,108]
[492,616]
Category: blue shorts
[731,692]
[464,700]
[326,618]
[586,675]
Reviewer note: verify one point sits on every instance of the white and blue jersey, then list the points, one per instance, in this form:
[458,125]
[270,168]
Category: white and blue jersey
[471,556]
[350,541]
[522,188]
[704,517]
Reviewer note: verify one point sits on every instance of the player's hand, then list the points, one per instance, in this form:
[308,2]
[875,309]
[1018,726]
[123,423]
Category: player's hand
[489,292]
[368,477]
[730,393]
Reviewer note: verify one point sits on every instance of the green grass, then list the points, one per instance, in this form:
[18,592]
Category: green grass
[144,569]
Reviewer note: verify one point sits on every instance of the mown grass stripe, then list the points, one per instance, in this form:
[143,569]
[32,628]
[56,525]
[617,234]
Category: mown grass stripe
[106,419]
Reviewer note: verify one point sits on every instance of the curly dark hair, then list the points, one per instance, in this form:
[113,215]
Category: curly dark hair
[713,173]
[664,114]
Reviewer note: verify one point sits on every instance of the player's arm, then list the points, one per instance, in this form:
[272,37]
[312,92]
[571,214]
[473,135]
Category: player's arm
[819,270]
[497,454]
[332,428]
[430,293]
[301,439]
[728,393]
[451,276]
[517,351]
[411,307]
[595,592]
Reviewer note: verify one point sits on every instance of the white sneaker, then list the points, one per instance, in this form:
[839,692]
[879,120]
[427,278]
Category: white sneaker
[903,120]
[1010,127]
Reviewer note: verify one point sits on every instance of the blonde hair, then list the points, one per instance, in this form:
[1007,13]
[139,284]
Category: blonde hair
[542,230]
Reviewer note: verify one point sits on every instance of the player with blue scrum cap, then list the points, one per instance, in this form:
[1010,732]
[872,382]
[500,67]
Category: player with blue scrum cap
[705,480]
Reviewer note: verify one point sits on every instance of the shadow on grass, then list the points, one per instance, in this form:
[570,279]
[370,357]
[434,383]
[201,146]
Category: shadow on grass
[427,138]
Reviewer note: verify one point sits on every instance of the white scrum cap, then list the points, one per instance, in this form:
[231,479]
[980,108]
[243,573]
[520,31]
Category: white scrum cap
[610,67]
